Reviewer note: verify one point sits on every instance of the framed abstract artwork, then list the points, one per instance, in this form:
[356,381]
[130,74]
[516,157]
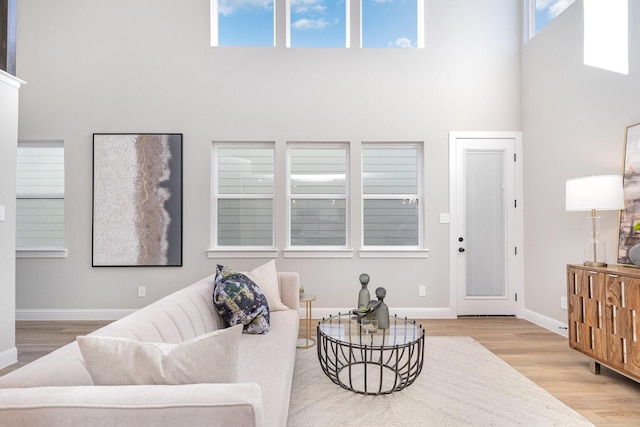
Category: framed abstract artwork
[137,200]
[629,231]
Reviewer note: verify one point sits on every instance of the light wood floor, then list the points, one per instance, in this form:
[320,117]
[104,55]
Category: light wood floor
[608,399]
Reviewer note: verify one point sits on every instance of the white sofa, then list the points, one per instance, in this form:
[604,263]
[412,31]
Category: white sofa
[57,390]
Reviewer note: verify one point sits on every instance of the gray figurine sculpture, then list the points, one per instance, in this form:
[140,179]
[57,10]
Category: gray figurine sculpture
[363,295]
[382,311]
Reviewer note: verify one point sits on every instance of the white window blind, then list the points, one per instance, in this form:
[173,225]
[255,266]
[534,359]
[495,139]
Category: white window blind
[243,185]
[318,195]
[40,195]
[391,195]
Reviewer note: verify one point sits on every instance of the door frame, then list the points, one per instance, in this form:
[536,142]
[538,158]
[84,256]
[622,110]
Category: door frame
[515,267]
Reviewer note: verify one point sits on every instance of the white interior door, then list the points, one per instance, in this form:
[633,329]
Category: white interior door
[485,264]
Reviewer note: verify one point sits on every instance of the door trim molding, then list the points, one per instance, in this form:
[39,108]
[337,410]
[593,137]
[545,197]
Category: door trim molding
[516,269]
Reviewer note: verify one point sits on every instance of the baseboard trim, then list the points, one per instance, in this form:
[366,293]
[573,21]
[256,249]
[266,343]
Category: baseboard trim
[71,314]
[408,312]
[546,322]
[8,357]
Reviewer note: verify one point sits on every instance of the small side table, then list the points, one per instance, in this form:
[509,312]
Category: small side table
[309,340]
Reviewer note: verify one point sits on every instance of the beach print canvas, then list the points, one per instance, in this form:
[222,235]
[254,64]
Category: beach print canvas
[629,234]
[137,200]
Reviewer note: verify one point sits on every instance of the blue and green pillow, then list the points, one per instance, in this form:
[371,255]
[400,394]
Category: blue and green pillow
[239,300]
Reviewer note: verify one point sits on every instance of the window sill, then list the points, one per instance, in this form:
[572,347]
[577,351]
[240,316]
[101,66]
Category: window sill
[41,252]
[318,253]
[394,253]
[242,253]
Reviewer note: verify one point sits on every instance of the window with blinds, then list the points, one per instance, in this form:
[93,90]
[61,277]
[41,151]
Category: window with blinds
[391,194]
[318,195]
[243,195]
[40,195]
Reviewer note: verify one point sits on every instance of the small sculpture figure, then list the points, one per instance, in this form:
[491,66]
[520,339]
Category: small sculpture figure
[363,295]
[382,311]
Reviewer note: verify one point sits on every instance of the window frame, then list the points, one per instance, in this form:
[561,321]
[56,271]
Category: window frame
[43,251]
[529,27]
[332,251]
[240,251]
[214,26]
[282,27]
[396,251]
[420,27]
[347,28]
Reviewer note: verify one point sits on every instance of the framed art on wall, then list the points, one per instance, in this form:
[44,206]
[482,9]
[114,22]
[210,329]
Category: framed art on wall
[629,232]
[137,200]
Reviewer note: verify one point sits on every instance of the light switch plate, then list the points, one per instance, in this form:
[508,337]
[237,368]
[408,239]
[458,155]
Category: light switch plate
[444,218]
[1,213]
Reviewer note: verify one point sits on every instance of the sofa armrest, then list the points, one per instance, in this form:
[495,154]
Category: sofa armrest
[290,289]
[140,405]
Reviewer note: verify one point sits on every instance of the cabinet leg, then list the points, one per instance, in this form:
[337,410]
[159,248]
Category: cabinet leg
[594,367]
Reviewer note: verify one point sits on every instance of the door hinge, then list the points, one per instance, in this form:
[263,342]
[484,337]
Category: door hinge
[515,252]
[514,157]
[516,297]
[515,203]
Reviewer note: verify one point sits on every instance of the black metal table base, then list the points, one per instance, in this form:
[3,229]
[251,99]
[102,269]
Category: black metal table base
[358,362]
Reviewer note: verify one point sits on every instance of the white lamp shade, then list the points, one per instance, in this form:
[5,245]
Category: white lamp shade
[601,192]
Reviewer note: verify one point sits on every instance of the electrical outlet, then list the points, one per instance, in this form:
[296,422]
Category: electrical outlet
[142,291]
[563,303]
[422,291]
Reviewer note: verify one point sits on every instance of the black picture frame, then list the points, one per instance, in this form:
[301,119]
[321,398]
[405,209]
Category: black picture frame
[137,200]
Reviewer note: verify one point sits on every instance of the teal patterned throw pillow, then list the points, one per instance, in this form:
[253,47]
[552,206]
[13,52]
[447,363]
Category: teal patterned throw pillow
[240,301]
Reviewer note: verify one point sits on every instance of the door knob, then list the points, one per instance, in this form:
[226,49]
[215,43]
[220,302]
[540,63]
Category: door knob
[460,249]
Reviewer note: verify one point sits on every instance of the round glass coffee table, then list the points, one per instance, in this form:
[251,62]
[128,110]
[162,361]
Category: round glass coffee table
[370,361]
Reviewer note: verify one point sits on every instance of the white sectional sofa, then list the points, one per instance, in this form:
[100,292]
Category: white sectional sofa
[57,389]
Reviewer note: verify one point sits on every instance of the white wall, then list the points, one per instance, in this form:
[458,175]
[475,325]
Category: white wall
[9,88]
[146,66]
[574,119]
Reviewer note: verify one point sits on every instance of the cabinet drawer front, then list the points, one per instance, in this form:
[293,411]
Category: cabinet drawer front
[585,291]
[622,312]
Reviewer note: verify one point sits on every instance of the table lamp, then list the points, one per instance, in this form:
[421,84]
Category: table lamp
[591,193]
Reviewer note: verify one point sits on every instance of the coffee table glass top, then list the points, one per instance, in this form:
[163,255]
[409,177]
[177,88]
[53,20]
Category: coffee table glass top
[346,328]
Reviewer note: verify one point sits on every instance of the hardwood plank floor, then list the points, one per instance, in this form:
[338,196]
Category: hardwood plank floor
[608,399]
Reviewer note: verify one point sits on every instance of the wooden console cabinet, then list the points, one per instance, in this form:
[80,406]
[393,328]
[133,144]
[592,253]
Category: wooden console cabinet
[604,311]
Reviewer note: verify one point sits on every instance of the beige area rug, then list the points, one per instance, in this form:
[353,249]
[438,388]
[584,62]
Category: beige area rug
[461,384]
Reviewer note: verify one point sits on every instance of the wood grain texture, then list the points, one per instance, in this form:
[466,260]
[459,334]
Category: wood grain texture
[544,357]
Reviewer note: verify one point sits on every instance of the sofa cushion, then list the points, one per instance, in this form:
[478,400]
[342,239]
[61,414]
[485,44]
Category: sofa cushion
[266,277]
[209,358]
[240,301]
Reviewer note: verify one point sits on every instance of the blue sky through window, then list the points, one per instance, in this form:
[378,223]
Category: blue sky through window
[245,23]
[318,23]
[389,23]
[548,10]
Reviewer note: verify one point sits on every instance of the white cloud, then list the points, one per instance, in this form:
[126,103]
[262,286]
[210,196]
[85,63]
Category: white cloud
[558,7]
[227,7]
[310,24]
[553,7]
[543,4]
[401,42]
[306,6]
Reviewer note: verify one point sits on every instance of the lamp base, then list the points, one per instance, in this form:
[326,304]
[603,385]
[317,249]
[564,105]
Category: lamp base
[594,264]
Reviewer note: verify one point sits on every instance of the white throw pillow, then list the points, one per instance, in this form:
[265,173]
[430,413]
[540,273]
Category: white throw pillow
[266,277]
[208,358]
